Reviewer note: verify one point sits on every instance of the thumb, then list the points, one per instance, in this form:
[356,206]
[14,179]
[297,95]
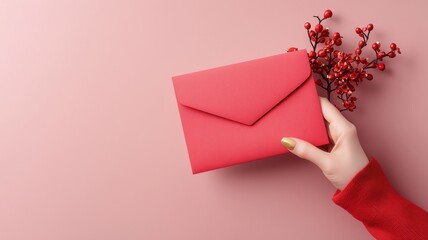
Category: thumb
[305,150]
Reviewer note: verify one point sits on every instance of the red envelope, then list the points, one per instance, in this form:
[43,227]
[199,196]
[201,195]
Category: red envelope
[239,112]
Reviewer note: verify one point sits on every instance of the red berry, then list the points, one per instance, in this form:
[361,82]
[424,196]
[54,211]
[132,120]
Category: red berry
[338,42]
[376,46]
[393,46]
[361,44]
[391,54]
[321,40]
[381,66]
[358,51]
[322,53]
[307,25]
[369,76]
[325,32]
[319,28]
[336,53]
[345,104]
[358,30]
[292,49]
[312,54]
[381,54]
[336,35]
[351,106]
[328,13]
[370,27]
[330,76]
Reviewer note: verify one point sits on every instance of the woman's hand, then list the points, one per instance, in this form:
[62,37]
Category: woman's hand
[346,157]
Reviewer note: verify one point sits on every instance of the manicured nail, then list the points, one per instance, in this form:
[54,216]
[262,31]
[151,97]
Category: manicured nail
[288,143]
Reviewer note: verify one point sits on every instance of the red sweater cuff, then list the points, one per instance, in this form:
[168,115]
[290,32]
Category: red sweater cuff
[370,198]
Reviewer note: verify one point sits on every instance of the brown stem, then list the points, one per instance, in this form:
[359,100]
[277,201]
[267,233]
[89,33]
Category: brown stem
[309,36]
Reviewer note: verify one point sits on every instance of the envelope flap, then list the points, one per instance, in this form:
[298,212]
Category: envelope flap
[243,92]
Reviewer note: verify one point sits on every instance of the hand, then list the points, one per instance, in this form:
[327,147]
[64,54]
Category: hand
[346,157]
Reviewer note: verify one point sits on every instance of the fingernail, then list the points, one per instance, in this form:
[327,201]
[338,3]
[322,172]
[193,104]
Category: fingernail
[288,143]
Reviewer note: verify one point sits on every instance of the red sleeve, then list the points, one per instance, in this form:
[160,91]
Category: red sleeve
[370,198]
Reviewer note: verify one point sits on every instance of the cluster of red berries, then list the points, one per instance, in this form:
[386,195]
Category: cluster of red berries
[341,72]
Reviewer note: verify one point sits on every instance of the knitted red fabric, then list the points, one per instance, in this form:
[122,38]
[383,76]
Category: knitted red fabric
[370,198]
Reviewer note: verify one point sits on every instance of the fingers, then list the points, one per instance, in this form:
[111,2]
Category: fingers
[338,125]
[330,112]
[305,150]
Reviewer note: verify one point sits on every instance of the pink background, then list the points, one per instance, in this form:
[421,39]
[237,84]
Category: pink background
[91,145]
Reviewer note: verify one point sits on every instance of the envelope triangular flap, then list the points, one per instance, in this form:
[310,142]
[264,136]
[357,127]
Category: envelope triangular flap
[243,92]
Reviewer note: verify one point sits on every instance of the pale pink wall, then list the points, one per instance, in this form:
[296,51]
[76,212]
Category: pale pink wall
[91,145]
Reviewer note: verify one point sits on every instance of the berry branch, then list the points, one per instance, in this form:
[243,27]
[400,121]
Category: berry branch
[340,72]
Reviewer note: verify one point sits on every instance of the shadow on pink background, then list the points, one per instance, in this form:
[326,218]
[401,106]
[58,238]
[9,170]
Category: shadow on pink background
[91,145]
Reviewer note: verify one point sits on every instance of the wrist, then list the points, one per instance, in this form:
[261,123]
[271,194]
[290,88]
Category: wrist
[360,174]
